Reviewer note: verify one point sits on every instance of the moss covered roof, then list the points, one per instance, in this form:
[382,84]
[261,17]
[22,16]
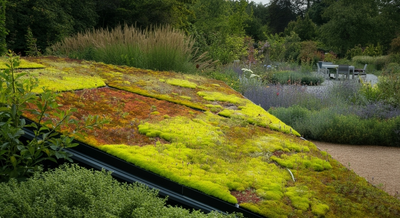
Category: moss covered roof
[200,133]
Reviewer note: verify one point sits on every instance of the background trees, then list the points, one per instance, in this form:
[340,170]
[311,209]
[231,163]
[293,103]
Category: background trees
[219,26]
[49,21]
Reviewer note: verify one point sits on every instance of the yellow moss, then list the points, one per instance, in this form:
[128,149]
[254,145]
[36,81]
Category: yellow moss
[318,208]
[214,106]
[300,197]
[68,83]
[270,195]
[302,161]
[217,96]
[182,129]
[203,87]
[24,64]
[155,113]
[185,97]
[255,114]
[182,83]
[250,207]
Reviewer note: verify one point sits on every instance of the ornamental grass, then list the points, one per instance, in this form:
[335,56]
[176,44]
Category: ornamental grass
[156,48]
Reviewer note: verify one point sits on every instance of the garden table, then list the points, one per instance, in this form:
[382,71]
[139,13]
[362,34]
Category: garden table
[335,66]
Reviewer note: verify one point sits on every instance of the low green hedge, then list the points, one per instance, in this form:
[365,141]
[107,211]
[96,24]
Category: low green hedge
[326,125]
[290,77]
[72,191]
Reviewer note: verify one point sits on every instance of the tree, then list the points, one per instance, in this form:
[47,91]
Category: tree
[280,13]
[257,25]
[304,27]
[3,30]
[316,10]
[145,13]
[389,18]
[351,22]
[50,21]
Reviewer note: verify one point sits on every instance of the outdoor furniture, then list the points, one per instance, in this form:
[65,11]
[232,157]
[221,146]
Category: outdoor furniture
[335,66]
[343,69]
[359,72]
[322,71]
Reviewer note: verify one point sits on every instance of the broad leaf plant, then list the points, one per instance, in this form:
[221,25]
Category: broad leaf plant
[20,158]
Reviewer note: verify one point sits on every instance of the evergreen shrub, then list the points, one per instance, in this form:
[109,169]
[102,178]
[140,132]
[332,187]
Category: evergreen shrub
[73,191]
[296,78]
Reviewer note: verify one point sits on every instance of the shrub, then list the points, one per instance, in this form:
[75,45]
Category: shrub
[296,78]
[375,109]
[389,86]
[351,129]
[372,50]
[356,51]
[395,45]
[321,113]
[18,158]
[230,75]
[378,61]
[339,125]
[392,68]
[330,57]
[286,96]
[369,50]
[72,191]
[283,48]
[309,53]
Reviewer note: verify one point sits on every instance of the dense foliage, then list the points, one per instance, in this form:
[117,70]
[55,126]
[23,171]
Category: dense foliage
[20,158]
[72,191]
[218,27]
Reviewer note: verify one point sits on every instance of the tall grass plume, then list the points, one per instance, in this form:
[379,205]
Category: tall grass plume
[157,48]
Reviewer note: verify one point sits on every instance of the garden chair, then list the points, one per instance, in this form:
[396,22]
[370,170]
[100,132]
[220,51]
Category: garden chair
[361,72]
[343,69]
[322,71]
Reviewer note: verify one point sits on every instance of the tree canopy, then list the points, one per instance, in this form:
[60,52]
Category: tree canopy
[338,25]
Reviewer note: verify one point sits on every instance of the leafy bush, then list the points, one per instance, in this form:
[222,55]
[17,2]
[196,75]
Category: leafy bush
[229,74]
[72,191]
[296,78]
[330,57]
[392,68]
[389,86]
[309,53]
[395,45]
[283,48]
[378,61]
[227,50]
[356,51]
[369,50]
[20,159]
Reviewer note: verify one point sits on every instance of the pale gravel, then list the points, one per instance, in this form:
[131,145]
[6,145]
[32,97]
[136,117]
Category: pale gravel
[378,164]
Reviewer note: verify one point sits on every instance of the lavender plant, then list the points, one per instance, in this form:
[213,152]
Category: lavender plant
[342,112]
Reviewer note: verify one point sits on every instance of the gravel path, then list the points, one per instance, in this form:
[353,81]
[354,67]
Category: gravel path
[378,164]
